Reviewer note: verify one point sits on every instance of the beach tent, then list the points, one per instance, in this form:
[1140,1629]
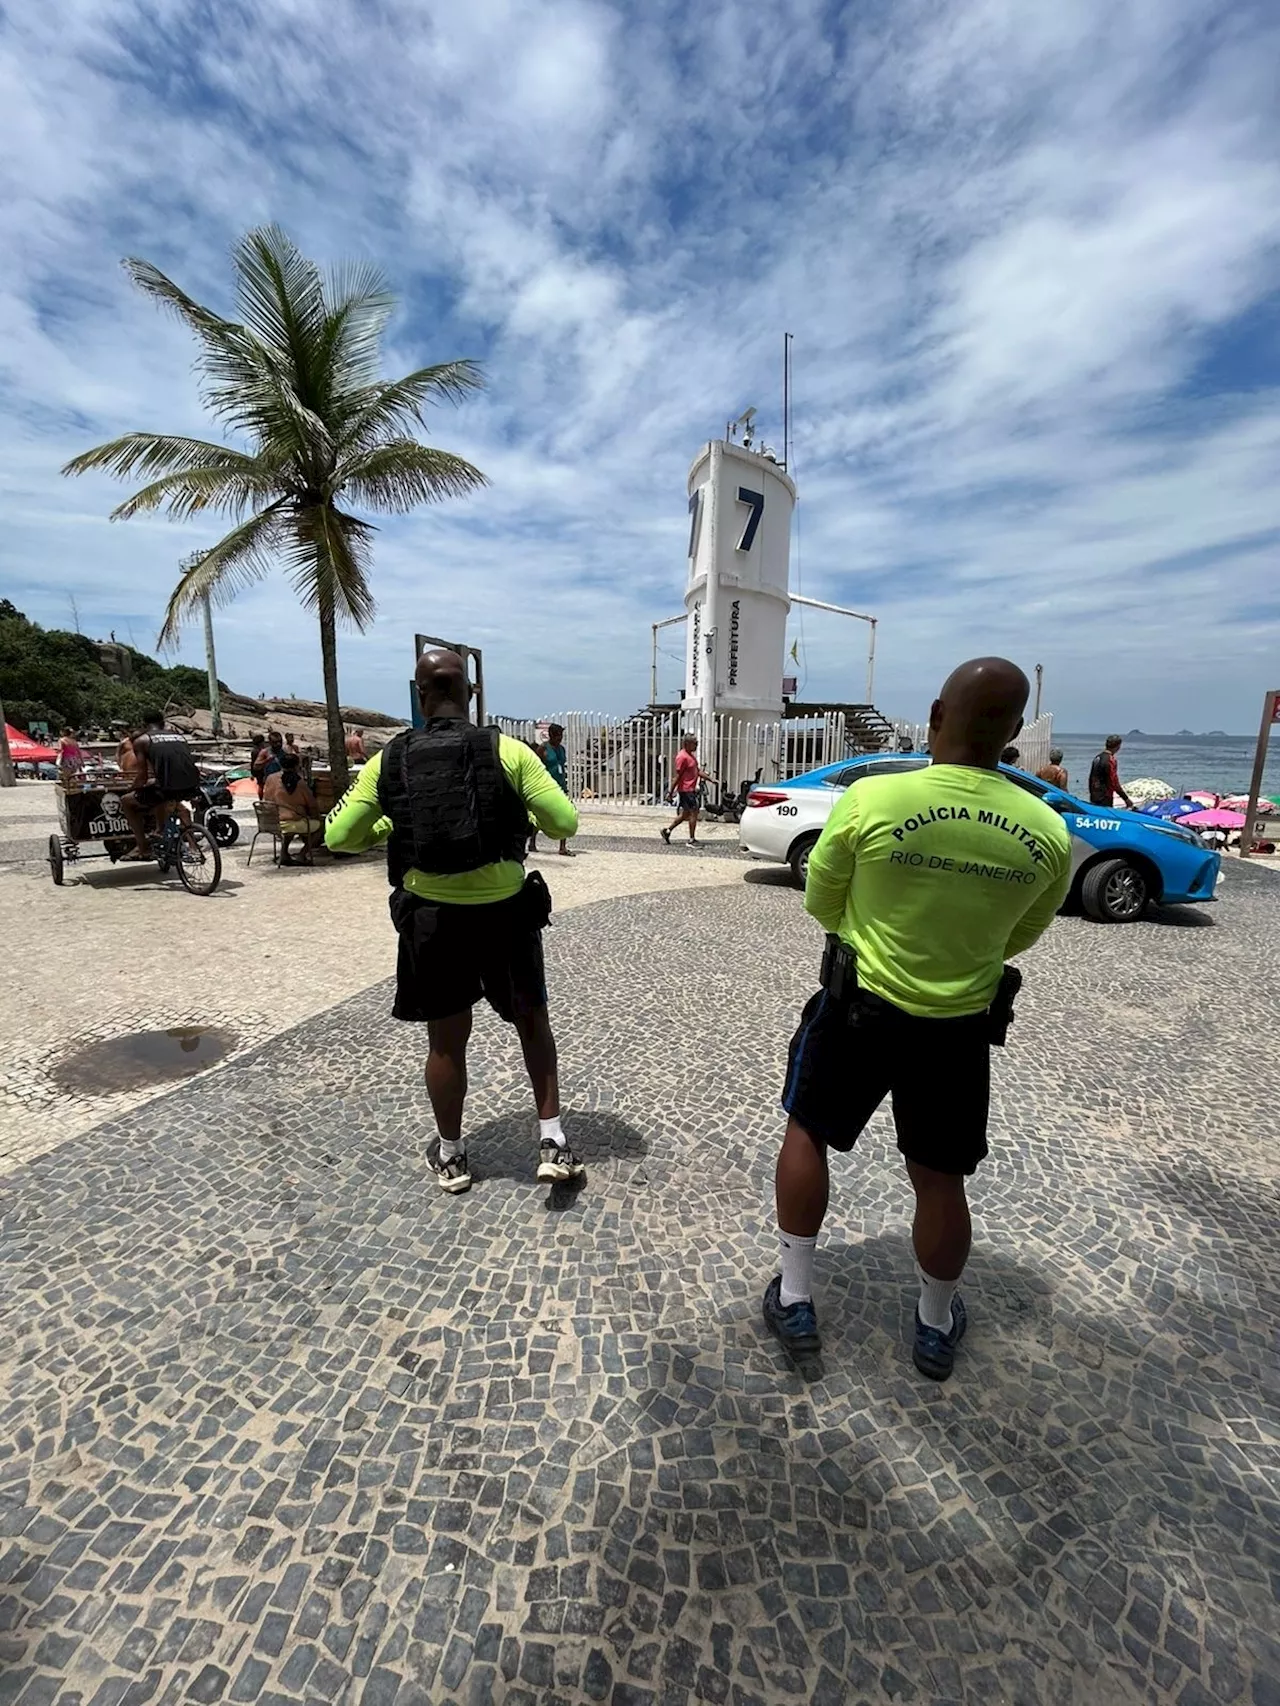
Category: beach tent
[24,750]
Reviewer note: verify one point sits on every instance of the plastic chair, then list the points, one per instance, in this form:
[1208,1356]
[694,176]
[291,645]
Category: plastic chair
[268,823]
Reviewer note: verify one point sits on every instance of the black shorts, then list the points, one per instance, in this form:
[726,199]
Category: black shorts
[450,957]
[688,802]
[150,794]
[938,1072]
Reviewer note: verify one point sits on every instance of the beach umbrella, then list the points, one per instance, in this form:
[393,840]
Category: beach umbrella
[1148,789]
[1203,797]
[1214,818]
[1240,803]
[1172,809]
[24,750]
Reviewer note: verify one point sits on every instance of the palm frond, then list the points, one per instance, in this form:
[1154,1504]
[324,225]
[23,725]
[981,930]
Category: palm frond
[281,295]
[329,555]
[231,490]
[228,354]
[400,474]
[360,305]
[158,453]
[202,321]
[393,407]
[240,558]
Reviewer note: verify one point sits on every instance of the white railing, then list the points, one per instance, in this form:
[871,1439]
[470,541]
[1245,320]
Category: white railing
[630,761]
[1033,743]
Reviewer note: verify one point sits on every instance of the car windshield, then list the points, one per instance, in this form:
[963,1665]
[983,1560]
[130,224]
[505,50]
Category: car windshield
[1032,784]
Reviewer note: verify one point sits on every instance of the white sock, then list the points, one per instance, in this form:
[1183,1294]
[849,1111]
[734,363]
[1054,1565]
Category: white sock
[549,1132]
[797,1268]
[935,1300]
[451,1151]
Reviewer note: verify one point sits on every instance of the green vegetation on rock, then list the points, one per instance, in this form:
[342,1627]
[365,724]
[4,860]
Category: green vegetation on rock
[50,676]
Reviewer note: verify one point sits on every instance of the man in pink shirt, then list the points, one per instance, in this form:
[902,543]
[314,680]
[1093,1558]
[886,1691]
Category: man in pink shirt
[689,773]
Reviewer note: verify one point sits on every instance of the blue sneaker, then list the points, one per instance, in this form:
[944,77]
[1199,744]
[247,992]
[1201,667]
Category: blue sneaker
[794,1325]
[934,1352]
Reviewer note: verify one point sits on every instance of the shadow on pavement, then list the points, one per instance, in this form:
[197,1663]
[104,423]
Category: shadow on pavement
[770,876]
[503,1148]
[1181,917]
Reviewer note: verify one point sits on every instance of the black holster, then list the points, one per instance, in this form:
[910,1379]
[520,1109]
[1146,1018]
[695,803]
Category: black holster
[839,973]
[1000,1013]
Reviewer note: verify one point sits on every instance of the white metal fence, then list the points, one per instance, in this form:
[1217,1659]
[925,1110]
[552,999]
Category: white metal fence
[631,760]
[1033,743]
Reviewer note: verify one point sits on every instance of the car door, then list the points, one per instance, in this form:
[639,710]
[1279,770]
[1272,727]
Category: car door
[1091,828]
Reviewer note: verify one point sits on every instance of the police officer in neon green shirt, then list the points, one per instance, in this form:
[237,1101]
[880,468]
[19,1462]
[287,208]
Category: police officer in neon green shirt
[454,803]
[926,882]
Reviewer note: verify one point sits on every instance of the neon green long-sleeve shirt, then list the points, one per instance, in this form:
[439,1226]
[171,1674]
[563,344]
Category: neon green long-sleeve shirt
[357,823]
[934,878]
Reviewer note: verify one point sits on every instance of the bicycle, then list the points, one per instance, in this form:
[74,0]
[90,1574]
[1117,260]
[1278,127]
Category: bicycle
[191,848]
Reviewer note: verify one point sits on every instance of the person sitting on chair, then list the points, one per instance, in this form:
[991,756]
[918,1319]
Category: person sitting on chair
[293,799]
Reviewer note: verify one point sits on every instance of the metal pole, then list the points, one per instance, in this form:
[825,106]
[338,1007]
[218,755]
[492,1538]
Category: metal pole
[653,669]
[8,778]
[786,400]
[1035,715]
[871,665]
[211,664]
[839,609]
[1269,707]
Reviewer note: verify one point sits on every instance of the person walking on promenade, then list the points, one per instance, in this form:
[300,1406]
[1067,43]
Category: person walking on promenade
[689,776]
[1104,776]
[556,759]
[926,883]
[453,803]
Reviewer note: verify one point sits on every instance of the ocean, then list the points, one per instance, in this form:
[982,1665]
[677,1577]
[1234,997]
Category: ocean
[1221,763]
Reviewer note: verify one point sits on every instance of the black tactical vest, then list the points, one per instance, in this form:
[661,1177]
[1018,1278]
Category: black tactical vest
[451,806]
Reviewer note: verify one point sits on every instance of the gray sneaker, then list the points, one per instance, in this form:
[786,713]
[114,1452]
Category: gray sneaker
[453,1175]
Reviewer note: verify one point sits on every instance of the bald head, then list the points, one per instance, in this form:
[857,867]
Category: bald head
[978,712]
[444,687]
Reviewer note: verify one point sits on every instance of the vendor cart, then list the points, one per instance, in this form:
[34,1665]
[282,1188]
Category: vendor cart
[90,812]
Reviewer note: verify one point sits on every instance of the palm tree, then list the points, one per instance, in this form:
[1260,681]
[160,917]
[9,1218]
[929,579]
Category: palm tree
[298,377]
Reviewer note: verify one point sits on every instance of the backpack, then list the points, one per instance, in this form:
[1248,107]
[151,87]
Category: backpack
[451,806]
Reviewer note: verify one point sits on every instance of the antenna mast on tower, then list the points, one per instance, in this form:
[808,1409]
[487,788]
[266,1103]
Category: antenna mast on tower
[788,338]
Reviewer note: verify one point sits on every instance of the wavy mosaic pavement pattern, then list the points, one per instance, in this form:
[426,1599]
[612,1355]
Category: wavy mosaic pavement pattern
[283,1424]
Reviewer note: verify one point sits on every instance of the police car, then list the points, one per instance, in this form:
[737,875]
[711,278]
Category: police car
[1120,860]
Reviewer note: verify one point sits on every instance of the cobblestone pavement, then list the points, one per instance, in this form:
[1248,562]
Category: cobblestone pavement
[120,950]
[283,1424]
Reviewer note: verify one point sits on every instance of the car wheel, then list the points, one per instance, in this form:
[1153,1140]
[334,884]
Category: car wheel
[1115,891]
[55,859]
[799,860]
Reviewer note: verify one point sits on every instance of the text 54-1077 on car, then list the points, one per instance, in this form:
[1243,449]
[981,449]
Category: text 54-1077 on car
[1121,861]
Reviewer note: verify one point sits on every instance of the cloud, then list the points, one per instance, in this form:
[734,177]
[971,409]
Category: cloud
[1012,244]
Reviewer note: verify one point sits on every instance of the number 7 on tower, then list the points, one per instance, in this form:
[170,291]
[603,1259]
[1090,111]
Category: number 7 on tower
[756,501]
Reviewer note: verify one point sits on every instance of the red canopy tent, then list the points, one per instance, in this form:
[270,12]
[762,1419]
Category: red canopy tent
[24,750]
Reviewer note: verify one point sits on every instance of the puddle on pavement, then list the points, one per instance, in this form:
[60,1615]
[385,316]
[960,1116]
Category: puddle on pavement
[142,1059]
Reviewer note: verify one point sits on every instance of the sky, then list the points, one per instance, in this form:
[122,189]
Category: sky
[1030,256]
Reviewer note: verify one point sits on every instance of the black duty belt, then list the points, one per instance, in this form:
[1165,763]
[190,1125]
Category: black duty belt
[839,977]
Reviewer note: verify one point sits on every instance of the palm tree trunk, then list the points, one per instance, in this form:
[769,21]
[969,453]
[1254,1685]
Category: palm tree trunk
[333,711]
